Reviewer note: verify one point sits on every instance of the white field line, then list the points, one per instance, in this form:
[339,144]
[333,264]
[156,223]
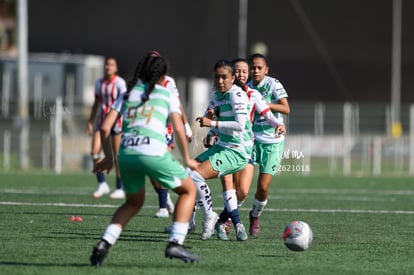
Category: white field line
[355,211]
[338,191]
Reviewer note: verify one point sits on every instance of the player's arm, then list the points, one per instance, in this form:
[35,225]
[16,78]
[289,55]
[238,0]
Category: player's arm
[187,128]
[181,139]
[239,104]
[92,116]
[279,92]
[282,106]
[264,110]
[107,163]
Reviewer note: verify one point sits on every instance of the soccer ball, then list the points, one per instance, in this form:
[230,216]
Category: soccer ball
[297,236]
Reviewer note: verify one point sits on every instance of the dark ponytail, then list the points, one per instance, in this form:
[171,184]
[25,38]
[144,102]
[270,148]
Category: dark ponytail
[149,69]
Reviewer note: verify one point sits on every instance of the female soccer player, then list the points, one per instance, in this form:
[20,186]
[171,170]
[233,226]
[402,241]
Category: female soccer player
[232,150]
[242,179]
[268,147]
[166,205]
[107,89]
[145,109]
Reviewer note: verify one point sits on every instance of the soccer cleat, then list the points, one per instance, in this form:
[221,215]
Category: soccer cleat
[208,226]
[241,234]
[103,189]
[178,251]
[99,252]
[191,228]
[118,194]
[228,225]
[254,229]
[221,231]
[162,213]
[170,204]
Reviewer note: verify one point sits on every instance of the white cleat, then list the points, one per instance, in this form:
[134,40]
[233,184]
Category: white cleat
[170,204]
[103,189]
[162,213]
[118,194]
[208,225]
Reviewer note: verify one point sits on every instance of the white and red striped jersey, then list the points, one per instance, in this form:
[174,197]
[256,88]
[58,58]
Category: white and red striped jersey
[107,91]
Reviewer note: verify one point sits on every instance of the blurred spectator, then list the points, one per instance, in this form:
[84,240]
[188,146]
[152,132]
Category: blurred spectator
[7,27]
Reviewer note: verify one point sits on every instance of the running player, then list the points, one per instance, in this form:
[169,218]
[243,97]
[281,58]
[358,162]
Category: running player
[232,150]
[268,147]
[166,205]
[145,109]
[107,89]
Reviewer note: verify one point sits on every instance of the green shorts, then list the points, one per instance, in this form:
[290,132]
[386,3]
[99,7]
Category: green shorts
[268,156]
[166,170]
[223,160]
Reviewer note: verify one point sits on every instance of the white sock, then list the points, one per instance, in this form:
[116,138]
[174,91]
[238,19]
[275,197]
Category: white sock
[204,198]
[230,200]
[240,203]
[258,207]
[192,218]
[112,233]
[178,232]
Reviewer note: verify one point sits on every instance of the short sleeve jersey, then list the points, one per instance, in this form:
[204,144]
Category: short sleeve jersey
[143,123]
[107,91]
[272,91]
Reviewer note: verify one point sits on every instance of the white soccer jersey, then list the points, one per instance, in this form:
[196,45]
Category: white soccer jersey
[143,125]
[272,91]
[234,127]
[107,91]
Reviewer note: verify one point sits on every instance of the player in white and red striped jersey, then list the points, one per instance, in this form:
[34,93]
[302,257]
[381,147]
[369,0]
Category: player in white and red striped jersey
[107,90]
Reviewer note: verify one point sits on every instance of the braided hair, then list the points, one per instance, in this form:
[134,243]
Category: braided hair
[149,69]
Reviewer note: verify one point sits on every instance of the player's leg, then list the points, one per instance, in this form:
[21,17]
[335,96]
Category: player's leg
[204,197]
[224,216]
[269,159]
[243,181]
[103,187]
[174,176]
[162,199]
[230,203]
[134,179]
[119,192]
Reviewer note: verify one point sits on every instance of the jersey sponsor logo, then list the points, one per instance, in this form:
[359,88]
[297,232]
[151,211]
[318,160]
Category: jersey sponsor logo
[239,107]
[133,141]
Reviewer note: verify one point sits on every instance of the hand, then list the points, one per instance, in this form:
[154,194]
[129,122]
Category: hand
[280,131]
[210,139]
[204,121]
[192,164]
[188,132]
[104,164]
[210,113]
[89,129]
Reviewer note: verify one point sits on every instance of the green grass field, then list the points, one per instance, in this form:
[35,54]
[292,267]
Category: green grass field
[361,225]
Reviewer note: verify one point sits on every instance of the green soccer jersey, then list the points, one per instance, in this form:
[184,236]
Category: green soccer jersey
[144,123]
[234,127]
[272,91]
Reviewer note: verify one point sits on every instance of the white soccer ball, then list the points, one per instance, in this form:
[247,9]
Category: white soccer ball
[297,236]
